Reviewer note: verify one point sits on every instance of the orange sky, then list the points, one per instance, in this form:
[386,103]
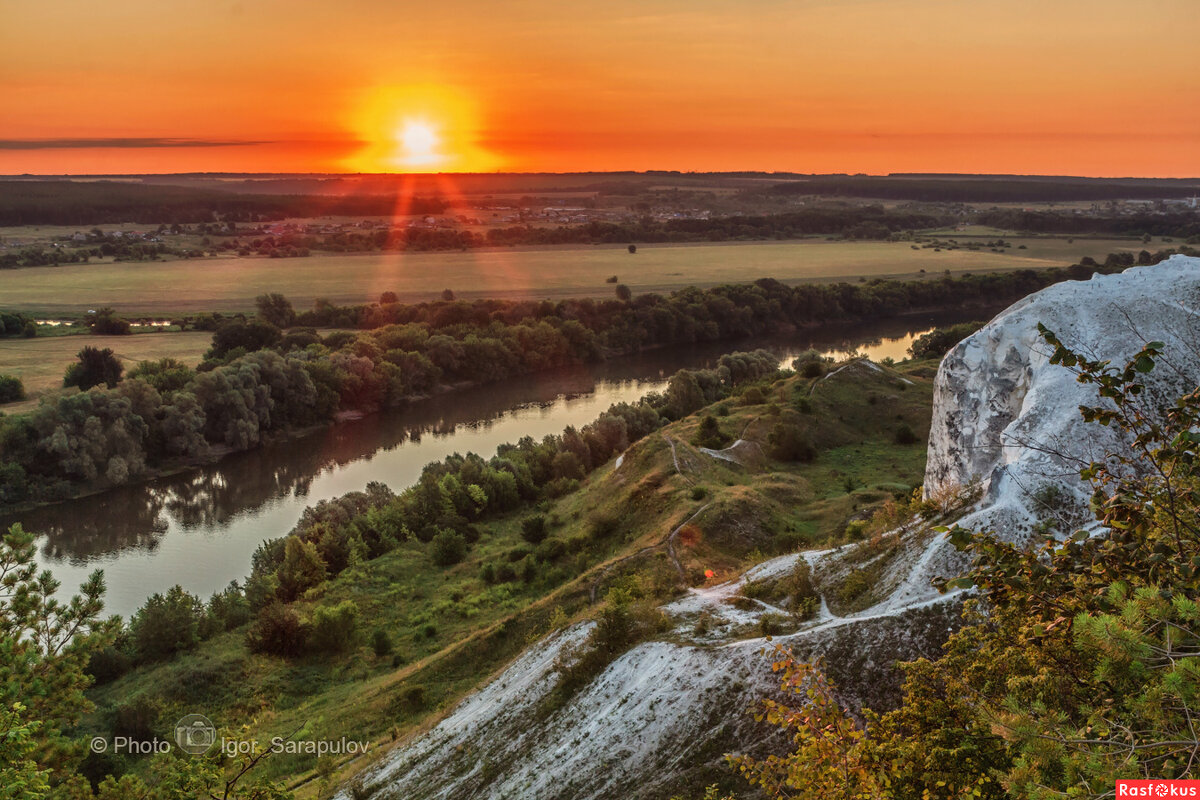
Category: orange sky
[1103,87]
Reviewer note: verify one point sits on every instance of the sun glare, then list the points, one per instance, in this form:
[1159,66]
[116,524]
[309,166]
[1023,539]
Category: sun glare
[419,143]
[416,129]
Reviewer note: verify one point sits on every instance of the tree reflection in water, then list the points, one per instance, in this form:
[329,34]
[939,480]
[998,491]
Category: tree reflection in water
[262,492]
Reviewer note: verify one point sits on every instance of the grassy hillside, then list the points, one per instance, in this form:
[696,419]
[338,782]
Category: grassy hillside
[664,516]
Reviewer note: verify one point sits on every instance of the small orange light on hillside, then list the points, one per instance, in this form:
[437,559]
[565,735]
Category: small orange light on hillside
[709,574]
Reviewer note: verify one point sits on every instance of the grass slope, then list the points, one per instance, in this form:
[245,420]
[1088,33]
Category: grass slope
[453,630]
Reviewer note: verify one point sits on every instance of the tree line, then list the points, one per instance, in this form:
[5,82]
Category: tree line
[979,189]
[114,202]
[259,381]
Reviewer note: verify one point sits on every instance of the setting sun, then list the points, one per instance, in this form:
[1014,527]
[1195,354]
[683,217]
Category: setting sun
[418,128]
[419,142]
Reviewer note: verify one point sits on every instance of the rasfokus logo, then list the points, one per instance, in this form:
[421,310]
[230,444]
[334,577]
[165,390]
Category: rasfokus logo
[1155,788]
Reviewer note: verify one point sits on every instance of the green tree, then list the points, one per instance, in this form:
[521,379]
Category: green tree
[275,309]
[94,368]
[533,529]
[166,624]
[302,568]
[11,389]
[167,375]
[45,645]
[334,629]
[248,336]
[624,293]
[448,547]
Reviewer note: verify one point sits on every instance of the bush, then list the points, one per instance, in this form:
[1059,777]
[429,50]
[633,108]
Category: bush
[753,396]
[601,526]
[905,434]
[412,699]
[937,342]
[11,389]
[94,368]
[136,720]
[447,548]
[105,323]
[277,631]
[699,493]
[809,364]
[334,629]
[227,609]
[108,664]
[166,624]
[788,442]
[381,643]
[533,529]
[710,434]
[550,550]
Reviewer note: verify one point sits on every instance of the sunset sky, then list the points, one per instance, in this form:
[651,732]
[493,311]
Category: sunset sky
[1102,87]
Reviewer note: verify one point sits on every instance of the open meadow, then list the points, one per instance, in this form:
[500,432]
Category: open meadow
[231,284]
[41,362]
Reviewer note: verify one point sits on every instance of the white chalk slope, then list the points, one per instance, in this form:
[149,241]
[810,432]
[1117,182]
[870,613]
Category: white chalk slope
[662,707]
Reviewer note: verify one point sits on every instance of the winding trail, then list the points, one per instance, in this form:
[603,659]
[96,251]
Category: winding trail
[668,542]
[675,458]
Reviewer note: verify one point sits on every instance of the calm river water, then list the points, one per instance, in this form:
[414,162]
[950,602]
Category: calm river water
[200,528]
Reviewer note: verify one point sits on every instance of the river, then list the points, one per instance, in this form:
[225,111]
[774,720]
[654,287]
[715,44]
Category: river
[199,528]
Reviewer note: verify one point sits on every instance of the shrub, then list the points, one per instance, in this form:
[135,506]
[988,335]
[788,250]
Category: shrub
[227,609]
[905,434]
[937,342]
[381,643]
[11,389]
[533,529]
[753,396]
[334,629]
[710,434]
[856,529]
[448,547]
[809,364]
[109,664]
[166,624]
[550,550]
[788,442]
[412,699]
[277,631]
[136,719]
[699,493]
[601,526]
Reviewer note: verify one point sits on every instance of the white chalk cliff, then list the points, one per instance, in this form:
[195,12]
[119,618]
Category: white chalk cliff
[663,707]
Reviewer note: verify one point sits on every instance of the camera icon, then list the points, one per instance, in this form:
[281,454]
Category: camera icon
[195,734]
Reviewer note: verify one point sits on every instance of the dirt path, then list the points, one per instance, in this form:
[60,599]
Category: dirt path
[668,542]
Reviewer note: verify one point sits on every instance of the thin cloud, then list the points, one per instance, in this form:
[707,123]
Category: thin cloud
[121,143]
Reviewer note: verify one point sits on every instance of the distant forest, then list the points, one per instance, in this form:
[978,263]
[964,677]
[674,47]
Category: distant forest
[112,202]
[965,189]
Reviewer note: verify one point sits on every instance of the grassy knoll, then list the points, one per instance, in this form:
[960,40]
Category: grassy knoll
[40,362]
[452,627]
[231,284]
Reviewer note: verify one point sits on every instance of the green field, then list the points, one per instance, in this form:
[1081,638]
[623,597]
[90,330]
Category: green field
[230,284]
[40,362]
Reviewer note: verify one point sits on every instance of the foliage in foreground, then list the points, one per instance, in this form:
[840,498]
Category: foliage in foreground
[45,645]
[1078,663]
